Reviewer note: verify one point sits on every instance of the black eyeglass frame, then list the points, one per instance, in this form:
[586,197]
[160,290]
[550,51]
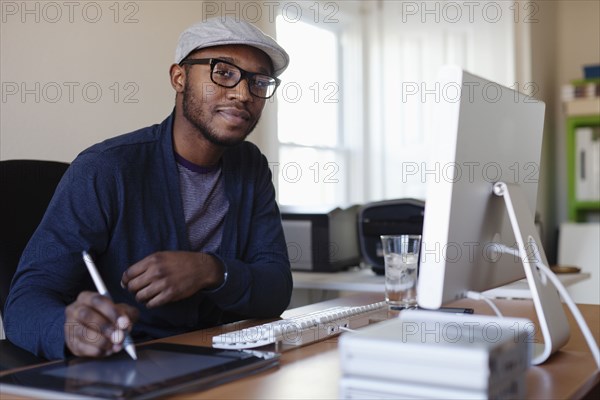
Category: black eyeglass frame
[243,73]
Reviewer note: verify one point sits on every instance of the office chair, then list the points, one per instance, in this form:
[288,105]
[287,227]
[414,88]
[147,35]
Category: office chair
[27,187]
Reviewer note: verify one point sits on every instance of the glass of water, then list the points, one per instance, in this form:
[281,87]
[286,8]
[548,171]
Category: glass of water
[401,257]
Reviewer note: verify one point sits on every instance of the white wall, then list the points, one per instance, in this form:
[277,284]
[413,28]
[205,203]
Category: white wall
[543,74]
[579,247]
[75,73]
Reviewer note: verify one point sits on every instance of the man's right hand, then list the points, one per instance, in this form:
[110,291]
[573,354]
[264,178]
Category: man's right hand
[95,326]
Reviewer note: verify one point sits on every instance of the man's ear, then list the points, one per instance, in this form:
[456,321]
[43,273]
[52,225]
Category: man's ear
[178,77]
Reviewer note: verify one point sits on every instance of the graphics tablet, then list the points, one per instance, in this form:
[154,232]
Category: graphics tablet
[161,369]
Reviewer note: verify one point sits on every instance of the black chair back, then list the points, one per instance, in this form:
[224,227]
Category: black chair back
[27,187]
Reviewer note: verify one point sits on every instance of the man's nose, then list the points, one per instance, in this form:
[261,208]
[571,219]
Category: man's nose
[242,91]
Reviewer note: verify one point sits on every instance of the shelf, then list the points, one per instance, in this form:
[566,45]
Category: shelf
[577,209]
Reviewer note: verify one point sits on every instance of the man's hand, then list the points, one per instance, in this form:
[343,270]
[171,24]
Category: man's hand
[95,326]
[169,276]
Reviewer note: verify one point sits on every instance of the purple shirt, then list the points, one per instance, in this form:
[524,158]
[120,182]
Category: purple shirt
[204,203]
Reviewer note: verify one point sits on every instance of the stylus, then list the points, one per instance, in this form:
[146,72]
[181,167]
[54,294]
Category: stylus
[456,310]
[101,287]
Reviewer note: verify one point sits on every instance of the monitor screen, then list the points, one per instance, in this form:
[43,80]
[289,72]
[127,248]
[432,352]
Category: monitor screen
[486,133]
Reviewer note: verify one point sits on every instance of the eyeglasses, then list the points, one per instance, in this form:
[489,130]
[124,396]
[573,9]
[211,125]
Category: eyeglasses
[228,75]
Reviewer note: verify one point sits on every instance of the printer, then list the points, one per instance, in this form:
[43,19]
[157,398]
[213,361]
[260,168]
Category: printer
[321,239]
[389,217]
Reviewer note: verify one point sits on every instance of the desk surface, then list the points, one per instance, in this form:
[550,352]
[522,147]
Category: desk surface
[313,371]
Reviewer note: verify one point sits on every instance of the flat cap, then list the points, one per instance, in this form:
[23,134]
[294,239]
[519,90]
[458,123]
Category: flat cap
[222,31]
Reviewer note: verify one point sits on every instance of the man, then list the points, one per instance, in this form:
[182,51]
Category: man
[180,217]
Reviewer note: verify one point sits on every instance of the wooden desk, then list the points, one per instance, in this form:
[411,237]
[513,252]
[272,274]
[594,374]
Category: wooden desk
[313,371]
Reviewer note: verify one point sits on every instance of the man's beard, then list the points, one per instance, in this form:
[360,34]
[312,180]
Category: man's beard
[193,112]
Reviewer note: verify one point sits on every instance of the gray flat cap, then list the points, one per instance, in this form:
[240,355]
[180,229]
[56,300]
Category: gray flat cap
[221,31]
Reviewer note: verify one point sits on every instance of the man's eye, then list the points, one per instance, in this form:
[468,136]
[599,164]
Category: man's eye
[226,73]
[262,83]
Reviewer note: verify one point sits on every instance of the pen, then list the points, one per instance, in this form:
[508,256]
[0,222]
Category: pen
[455,310]
[101,287]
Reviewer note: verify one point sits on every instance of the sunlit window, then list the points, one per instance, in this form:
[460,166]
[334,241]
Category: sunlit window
[310,159]
[356,110]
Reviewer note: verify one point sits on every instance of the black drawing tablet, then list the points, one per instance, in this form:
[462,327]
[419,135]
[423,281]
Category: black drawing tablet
[161,369]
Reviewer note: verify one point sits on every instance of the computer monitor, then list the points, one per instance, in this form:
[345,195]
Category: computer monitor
[488,136]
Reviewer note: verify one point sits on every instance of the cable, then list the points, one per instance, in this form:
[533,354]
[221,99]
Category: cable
[479,296]
[583,326]
[502,189]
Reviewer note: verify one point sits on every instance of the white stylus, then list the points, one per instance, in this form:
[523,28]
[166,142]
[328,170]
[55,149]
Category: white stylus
[101,287]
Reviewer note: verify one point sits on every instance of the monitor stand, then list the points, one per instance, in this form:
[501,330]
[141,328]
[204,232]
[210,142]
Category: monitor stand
[552,318]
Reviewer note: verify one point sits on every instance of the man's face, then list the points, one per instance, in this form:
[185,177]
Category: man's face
[224,116]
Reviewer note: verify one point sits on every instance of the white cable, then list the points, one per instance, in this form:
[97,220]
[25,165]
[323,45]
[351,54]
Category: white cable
[343,328]
[479,296]
[583,326]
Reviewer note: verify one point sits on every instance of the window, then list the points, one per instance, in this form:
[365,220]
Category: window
[409,41]
[355,110]
[311,155]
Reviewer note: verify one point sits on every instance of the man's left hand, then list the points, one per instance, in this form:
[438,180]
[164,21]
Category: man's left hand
[168,276]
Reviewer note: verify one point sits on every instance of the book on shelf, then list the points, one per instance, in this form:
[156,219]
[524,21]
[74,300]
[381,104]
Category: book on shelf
[591,71]
[587,163]
[581,89]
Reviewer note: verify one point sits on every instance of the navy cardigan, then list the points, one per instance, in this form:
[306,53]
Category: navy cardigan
[121,201]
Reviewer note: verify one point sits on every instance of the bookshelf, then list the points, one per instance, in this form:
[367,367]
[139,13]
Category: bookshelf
[581,101]
[578,209]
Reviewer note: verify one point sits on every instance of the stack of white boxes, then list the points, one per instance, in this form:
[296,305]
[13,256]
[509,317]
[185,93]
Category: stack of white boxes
[429,354]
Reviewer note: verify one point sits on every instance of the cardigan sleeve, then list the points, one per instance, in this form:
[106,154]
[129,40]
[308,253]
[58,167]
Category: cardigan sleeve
[259,279]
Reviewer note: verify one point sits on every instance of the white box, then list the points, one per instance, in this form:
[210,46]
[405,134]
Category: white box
[578,246]
[352,387]
[470,352]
